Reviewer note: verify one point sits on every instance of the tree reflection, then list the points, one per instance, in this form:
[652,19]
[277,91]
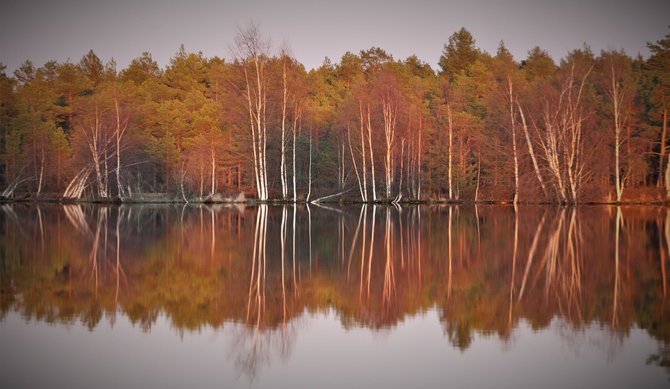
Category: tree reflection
[483,268]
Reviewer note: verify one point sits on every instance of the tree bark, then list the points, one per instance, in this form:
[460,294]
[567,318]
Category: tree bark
[513,129]
[363,167]
[353,160]
[372,158]
[284,183]
[451,138]
[118,134]
[531,151]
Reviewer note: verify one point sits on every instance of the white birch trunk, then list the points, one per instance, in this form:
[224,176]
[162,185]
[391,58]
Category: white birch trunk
[617,99]
[531,151]
[119,134]
[284,183]
[213,161]
[451,137]
[372,158]
[363,167]
[353,160]
[513,129]
[309,183]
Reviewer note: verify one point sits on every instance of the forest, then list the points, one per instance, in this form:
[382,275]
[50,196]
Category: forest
[591,127]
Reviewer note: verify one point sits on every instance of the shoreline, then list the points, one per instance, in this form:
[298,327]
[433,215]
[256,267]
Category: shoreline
[253,202]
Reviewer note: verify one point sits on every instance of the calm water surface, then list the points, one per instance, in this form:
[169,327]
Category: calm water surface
[198,296]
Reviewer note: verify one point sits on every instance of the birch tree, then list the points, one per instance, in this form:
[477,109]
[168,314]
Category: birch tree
[617,83]
[252,53]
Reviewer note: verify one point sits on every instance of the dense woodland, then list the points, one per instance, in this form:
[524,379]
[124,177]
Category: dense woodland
[592,127]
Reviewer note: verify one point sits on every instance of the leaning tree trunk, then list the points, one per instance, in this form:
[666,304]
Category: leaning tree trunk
[531,151]
[664,133]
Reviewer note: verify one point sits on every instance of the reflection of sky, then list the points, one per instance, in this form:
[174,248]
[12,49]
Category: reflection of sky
[322,354]
[41,30]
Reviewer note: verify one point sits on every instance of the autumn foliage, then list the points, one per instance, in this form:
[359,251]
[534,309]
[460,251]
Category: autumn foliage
[484,127]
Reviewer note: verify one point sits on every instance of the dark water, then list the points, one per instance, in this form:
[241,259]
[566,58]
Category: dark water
[172,296]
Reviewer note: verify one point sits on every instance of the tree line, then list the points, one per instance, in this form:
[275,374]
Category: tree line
[373,128]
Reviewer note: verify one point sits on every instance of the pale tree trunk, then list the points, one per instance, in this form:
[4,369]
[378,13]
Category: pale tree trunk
[513,129]
[309,180]
[41,175]
[363,167]
[105,175]
[372,158]
[252,124]
[120,130]
[353,160]
[664,133]
[202,179]
[253,49]
[550,146]
[213,161]
[479,170]
[344,175]
[296,115]
[531,151]
[667,176]
[667,167]
[261,126]
[418,157]
[389,112]
[402,158]
[573,142]
[182,175]
[284,183]
[94,146]
[617,100]
[451,140]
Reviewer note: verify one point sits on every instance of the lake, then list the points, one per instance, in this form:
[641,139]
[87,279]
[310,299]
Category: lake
[159,296]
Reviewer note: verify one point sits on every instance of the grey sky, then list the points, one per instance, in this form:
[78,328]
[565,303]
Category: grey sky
[123,29]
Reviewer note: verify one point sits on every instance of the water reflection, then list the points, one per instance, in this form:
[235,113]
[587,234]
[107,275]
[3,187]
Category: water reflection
[484,269]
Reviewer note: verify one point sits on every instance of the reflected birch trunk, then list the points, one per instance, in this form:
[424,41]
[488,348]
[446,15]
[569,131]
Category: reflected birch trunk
[531,253]
[516,245]
[552,253]
[389,272]
[258,267]
[283,258]
[663,258]
[354,240]
[295,278]
[93,256]
[309,236]
[75,216]
[450,257]
[118,267]
[212,245]
[41,225]
[364,242]
[372,245]
[615,298]
[573,253]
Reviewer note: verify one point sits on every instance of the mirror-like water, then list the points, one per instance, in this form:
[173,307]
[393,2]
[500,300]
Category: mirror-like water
[170,296]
